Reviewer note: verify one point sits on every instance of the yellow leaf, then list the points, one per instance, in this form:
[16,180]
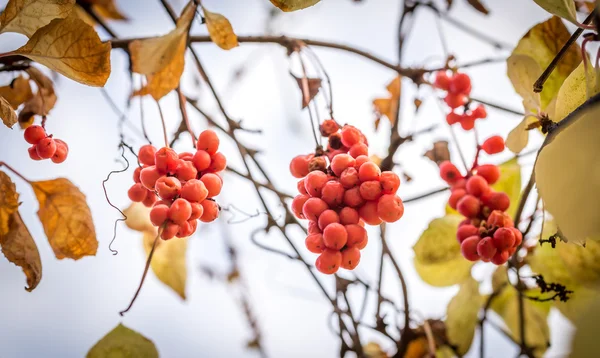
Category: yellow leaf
[107,9]
[220,30]
[167,79]
[567,174]
[123,342]
[462,315]
[8,115]
[374,350]
[9,201]
[542,43]
[27,16]
[20,249]
[518,137]
[17,92]
[293,5]
[66,218]
[417,348]
[563,8]
[438,259]
[510,183]
[523,71]
[138,218]
[576,89]
[585,341]
[388,107]
[72,48]
[169,261]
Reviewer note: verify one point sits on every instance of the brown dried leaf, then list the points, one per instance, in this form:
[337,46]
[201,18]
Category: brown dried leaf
[107,9]
[17,92]
[72,48]
[477,5]
[418,102]
[9,201]
[66,218]
[314,84]
[27,16]
[19,248]
[439,152]
[220,30]
[389,106]
[8,115]
[42,102]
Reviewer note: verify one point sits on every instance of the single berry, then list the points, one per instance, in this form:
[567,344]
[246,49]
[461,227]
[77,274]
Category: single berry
[168,187]
[197,211]
[329,261]
[468,248]
[340,162]
[185,230]
[490,172]
[194,191]
[498,218]
[46,148]
[369,171]
[504,238]
[486,248]
[301,188]
[350,258]
[169,232]
[497,201]
[467,123]
[449,172]
[370,190]
[349,178]
[218,162]
[299,166]
[187,156]
[333,193]
[477,186]
[468,206]
[368,212]
[137,193]
[314,243]
[360,160]
[34,134]
[313,228]
[159,214]
[460,83]
[357,236]
[211,211]
[33,153]
[518,236]
[314,183]
[213,184]
[328,217]
[350,136]
[166,160]
[334,142]
[390,182]
[62,150]
[466,231]
[151,198]
[335,236]
[353,198]
[180,211]
[479,112]
[456,195]
[298,204]
[500,258]
[390,208]
[455,100]
[442,81]
[186,170]
[313,207]
[348,216]
[317,163]
[493,145]
[201,160]
[328,127]
[208,141]
[149,176]
[146,154]
[358,150]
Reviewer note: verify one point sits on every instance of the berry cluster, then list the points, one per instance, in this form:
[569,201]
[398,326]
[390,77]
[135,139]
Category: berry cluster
[186,185]
[341,189]
[458,89]
[44,146]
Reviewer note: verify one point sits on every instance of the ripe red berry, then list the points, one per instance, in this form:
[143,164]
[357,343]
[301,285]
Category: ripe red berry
[218,162]
[468,206]
[518,236]
[180,211]
[340,162]
[187,156]
[169,231]
[333,193]
[370,190]
[313,207]
[348,216]
[493,145]
[477,186]
[197,211]
[137,193]
[496,201]
[455,100]
[353,198]
[350,258]
[313,228]
[168,187]
[390,182]
[298,204]
[349,178]
[208,141]
[369,171]
[504,238]
[453,118]
[465,231]
[149,176]
[136,174]
[34,134]
[486,248]
[500,258]
[314,183]
[442,81]
[479,112]
[456,195]
[335,236]
[186,170]
[46,148]
[33,153]
[212,183]
[314,243]
[328,217]
[467,123]
[185,230]
[468,248]
[301,188]
[368,212]
[360,160]
[146,154]
[498,218]
[194,191]
[166,160]
[390,208]
[211,211]
[150,199]
[358,150]
[449,173]
[159,214]
[299,166]
[329,261]
[201,160]
[490,172]
[459,184]
[460,83]
[350,136]
[328,127]
[60,155]
[357,236]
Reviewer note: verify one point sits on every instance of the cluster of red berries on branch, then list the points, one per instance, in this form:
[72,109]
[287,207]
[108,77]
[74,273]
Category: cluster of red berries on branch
[180,188]
[458,89]
[341,189]
[44,146]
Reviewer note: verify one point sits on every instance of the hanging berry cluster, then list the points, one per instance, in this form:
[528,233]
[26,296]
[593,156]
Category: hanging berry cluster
[458,89]
[180,188]
[44,146]
[341,189]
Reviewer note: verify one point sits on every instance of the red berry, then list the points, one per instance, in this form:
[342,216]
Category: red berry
[61,152]
[197,211]
[180,211]
[465,231]
[168,187]
[329,261]
[146,154]
[335,236]
[136,174]
[493,145]
[500,258]
[468,206]
[468,248]
[313,207]
[314,243]
[370,190]
[187,156]
[194,191]
[357,236]
[498,218]
[150,199]
[340,162]
[490,172]
[349,178]
[186,170]
[33,153]
[390,182]
[479,112]
[455,100]
[149,176]
[218,162]
[449,172]
[137,193]
[314,183]
[34,134]
[360,160]
[328,127]
[459,184]
[201,160]
[333,193]
[212,183]
[442,81]
[185,230]
[453,118]
[348,216]
[477,186]
[166,160]
[467,123]
[460,83]
[208,141]
[358,150]
[456,195]
[328,217]
[368,212]
[299,166]
[353,198]
[46,148]
[350,136]
[211,211]
[159,214]
[301,188]
[350,258]
[369,171]
[313,228]
[169,232]
[504,238]
[486,248]
[298,204]
[518,236]
[390,208]
[497,201]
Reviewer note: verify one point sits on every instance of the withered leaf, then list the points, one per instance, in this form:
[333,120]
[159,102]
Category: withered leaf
[107,9]
[8,115]
[220,30]
[19,248]
[42,102]
[27,16]
[439,152]
[477,5]
[9,201]
[66,218]
[72,48]
[314,84]
[389,106]
[17,92]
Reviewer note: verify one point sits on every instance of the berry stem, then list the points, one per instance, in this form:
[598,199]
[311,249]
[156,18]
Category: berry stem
[15,172]
[306,99]
[476,160]
[182,104]
[164,126]
[145,271]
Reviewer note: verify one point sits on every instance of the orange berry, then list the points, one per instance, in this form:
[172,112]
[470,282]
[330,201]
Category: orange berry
[168,187]
[159,214]
[333,193]
[313,228]
[208,141]
[340,162]
[358,150]
[350,258]
[34,134]
[185,230]
[314,183]
[335,236]
[194,191]
[369,171]
[349,178]
[328,127]
[33,153]
[213,184]
[218,162]
[197,211]
[314,243]
[357,236]
[368,212]
[328,217]
[298,204]
[169,231]
[390,208]
[350,136]
[150,199]
[370,190]
[353,198]
[186,170]
[180,211]
[313,207]
[360,160]
[149,176]
[390,182]
[137,193]
[187,156]
[211,211]
[490,172]
[201,160]
[299,166]
[166,160]
[146,154]
[60,155]
[329,261]
[348,216]
[301,188]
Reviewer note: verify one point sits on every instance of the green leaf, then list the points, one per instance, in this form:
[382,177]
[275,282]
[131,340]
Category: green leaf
[438,259]
[122,342]
[510,183]
[576,89]
[563,8]
[567,174]
[462,312]
[585,341]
